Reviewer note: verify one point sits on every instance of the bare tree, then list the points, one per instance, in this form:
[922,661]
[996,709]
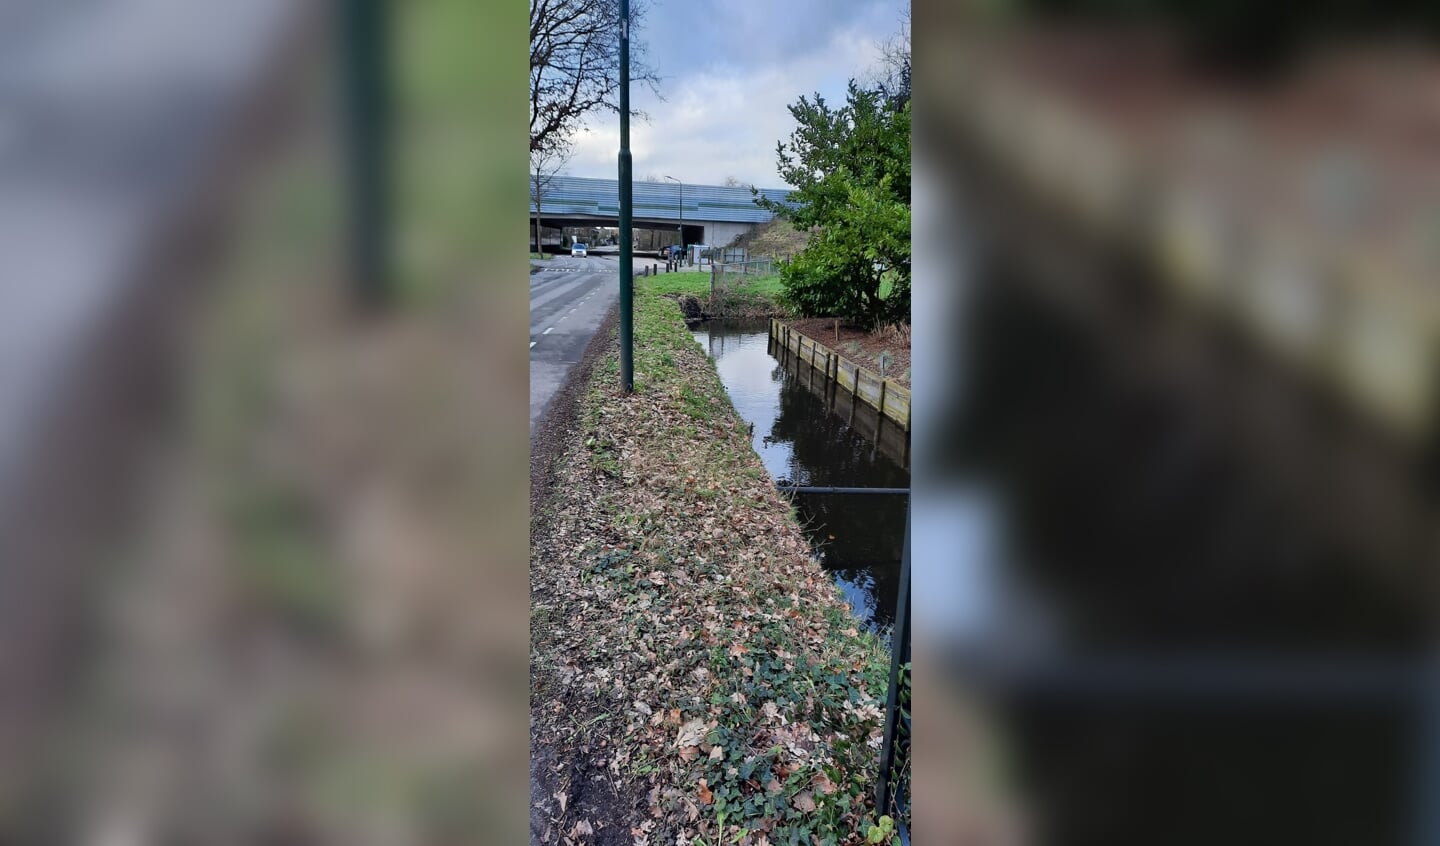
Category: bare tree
[575,64]
[732,182]
[892,77]
[544,165]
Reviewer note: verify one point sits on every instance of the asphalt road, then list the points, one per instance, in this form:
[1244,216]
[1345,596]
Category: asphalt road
[110,113]
[568,299]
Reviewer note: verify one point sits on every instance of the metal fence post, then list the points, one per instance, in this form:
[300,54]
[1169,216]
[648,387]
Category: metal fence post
[1426,821]
[895,721]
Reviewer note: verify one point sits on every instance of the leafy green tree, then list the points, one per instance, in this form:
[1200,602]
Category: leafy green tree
[851,170]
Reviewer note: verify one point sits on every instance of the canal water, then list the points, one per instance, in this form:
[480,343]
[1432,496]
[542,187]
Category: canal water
[1133,536]
[1133,567]
[802,441]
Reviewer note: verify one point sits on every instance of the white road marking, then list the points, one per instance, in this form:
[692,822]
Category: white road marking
[548,331]
[532,345]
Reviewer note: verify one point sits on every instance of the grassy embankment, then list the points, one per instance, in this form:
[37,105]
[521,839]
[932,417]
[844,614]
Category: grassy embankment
[685,648]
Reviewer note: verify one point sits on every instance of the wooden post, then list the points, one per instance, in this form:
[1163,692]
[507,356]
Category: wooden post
[830,384]
[854,377]
[882,399]
[830,376]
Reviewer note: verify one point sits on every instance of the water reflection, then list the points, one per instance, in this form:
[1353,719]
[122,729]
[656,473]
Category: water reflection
[1138,523]
[1130,526]
[800,439]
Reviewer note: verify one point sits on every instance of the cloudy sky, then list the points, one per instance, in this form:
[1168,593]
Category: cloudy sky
[728,70]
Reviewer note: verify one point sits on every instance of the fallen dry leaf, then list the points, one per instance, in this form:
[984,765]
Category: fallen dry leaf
[691,734]
[804,802]
[642,574]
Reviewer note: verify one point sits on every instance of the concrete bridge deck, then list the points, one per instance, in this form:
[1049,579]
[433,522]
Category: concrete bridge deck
[710,214]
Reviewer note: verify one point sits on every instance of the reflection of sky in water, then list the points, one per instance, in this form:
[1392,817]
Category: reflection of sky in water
[953,556]
[956,555]
[753,380]
[1065,511]
[801,441]
[859,599]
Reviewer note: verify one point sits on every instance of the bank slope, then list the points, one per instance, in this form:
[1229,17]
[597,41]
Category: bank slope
[694,673]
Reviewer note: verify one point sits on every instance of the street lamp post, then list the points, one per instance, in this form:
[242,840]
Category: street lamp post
[682,211]
[627,268]
[367,114]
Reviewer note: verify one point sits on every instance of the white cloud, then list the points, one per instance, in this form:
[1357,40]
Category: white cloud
[723,120]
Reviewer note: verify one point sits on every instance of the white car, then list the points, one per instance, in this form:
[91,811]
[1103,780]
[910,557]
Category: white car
[578,251]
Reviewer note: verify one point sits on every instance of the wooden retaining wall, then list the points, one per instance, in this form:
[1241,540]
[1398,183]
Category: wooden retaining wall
[886,396]
[1337,311]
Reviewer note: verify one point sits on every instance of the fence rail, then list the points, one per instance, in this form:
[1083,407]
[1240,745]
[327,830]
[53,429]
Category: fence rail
[745,267]
[724,274]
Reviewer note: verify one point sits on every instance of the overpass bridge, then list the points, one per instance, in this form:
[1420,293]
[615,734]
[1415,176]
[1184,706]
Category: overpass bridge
[709,214]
